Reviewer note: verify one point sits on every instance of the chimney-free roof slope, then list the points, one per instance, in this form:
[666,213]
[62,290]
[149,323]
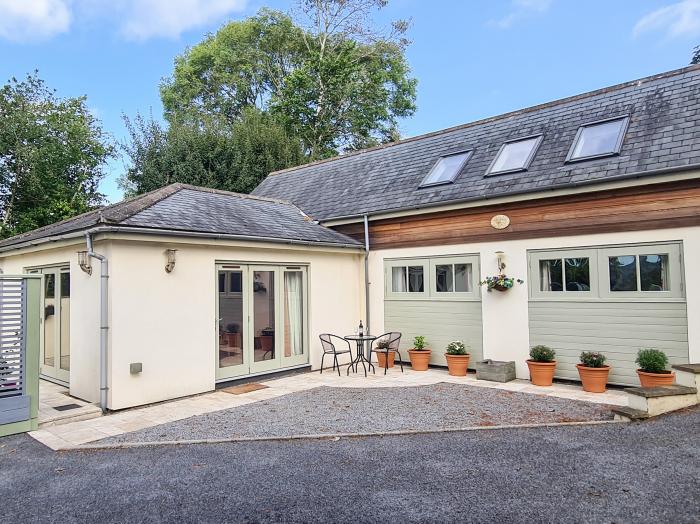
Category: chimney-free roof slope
[186,209]
[663,133]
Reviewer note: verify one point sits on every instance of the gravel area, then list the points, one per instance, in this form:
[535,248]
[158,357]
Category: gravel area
[643,472]
[327,410]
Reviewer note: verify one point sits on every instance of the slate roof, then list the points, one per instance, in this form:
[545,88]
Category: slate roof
[184,208]
[663,134]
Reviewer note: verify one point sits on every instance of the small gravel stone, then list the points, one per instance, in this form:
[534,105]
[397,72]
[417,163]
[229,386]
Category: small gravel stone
[327,410]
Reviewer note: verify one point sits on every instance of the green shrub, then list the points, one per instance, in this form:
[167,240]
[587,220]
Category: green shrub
[456,347]
[652,360]
[542,354]
[593,359]
[419,343]
[383,343]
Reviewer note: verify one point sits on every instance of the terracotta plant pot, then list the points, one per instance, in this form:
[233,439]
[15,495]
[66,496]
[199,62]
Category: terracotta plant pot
[381,359]
[593,380]
[457,364]
[419,359]
[541,373]
[652,380]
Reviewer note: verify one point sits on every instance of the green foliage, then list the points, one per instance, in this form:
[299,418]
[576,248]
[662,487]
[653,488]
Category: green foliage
[419,343]
[695,59]
[542,353]
[456,347]
[592,359]
[652,360]
[333,84]
[383,343]
[230,157]
[52,156]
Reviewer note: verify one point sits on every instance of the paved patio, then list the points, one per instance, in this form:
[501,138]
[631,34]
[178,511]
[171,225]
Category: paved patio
[56,406]
[82,432]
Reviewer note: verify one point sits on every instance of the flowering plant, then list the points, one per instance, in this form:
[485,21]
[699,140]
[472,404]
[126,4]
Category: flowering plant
[500,282]
[456,347]
[593,359]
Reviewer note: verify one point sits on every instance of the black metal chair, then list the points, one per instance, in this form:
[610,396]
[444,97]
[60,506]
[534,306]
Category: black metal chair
[393,339]
[329,348]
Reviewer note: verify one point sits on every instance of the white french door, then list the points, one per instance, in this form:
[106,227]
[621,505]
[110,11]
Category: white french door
[261,313]
[55,323]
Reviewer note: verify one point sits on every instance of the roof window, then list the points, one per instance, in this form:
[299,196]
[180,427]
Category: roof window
[446,169]
[598,139]
[515,155]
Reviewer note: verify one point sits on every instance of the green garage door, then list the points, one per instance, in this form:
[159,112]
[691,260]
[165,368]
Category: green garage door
[612,299]
[437,297]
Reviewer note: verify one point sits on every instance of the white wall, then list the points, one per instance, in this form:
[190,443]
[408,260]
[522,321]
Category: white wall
[167,321]
[505,315]
[84,311]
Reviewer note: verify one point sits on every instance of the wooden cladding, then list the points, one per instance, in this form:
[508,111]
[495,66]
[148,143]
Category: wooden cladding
[657,206]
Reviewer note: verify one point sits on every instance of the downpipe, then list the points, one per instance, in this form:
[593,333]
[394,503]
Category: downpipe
[367,275]
[104,319]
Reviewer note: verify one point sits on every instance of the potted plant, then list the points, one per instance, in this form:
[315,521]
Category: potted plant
[541,365]
[233,335]
[382,355]
[652,368]
[500,282]
[457,358]
[593,371]
[419,355]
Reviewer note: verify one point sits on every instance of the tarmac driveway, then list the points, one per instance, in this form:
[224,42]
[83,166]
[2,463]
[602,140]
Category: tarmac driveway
[642,472]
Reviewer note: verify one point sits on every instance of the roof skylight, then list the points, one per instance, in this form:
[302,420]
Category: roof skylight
[515,155]
[446,169]
[598,139]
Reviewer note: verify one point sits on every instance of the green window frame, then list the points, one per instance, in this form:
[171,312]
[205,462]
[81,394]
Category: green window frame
[650,272]
[563,284]
[437,285]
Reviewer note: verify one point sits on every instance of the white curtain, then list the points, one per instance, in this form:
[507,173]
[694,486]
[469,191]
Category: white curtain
[398,279]
[295,305]
[545,275]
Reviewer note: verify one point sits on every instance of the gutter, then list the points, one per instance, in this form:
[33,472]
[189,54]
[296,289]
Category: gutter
[175,233]
[104,318]
[569,185]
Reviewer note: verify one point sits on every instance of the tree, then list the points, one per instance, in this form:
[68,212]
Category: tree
[52,156]
[335,83]
[211,154]
[696,55]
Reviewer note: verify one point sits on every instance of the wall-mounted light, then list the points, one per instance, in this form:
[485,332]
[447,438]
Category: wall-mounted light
[84,262]
[501,260]
[170,260]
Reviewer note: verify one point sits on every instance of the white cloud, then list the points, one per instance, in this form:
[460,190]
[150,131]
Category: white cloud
[33,20]
[145,19]
[520,9]
[679,19]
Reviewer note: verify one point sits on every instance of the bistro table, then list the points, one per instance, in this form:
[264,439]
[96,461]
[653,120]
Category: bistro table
[360,340]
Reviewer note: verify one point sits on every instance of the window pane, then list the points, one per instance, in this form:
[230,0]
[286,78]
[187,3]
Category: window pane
[599,139]
[50,285]
[232,329]
[222,281]
[653,272]
[236,281]
[463,278]
[415,279]
[514,155]
[446,169]
[293,313]
[264,316]
[65,285]
[551,275]
[398,279]
[623,273]
[443,279]
[577,274]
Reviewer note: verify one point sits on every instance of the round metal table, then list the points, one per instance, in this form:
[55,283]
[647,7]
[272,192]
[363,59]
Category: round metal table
[361,358]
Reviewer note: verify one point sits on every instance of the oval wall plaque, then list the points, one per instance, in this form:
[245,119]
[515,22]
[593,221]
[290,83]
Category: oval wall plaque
[500,222]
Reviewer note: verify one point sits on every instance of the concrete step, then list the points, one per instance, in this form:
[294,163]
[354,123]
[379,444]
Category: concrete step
[628,414]
[688,375]
[663,399]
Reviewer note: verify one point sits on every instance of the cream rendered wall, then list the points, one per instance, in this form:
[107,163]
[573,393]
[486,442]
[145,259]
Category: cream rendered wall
[505,315]
[167,321]
[84,310]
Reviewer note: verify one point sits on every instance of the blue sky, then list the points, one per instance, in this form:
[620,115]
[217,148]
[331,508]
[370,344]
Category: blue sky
[472,58]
